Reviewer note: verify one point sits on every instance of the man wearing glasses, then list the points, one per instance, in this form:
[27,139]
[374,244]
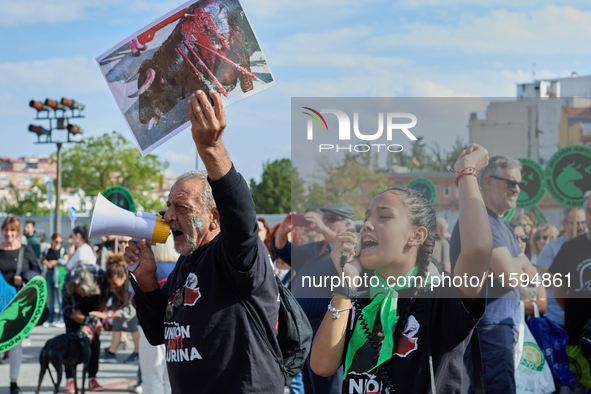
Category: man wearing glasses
[313,260]
[501,183]
[211,343]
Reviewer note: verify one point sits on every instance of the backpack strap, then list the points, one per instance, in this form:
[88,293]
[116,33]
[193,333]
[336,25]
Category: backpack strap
[19,263]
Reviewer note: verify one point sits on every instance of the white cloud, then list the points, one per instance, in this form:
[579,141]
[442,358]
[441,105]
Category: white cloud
[322,41]
[76,74]
[452,3]
[428,88]
[157,7]
[520,76]
[13,13]
[180,158]
[274,8]
[550,30]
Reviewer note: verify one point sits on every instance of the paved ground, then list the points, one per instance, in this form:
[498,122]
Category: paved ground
[113,377]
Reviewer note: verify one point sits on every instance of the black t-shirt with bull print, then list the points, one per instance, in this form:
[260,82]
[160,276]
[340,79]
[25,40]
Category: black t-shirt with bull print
[211,345]
[449,324]
[574,258]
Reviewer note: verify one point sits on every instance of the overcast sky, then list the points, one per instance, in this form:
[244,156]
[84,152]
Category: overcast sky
[322,48]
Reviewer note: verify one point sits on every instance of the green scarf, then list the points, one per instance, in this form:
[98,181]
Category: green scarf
[384,299]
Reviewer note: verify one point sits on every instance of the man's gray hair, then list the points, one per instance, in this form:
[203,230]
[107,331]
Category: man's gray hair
[205,198]
[565,213]
[85,281]
[586,196]
[495,165]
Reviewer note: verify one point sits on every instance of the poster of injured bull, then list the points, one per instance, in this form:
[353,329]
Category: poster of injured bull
[204,44]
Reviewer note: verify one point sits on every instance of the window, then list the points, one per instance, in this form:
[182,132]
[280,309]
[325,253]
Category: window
[446,191]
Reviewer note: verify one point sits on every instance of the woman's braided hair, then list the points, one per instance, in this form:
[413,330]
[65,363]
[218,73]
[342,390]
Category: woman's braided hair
[420,214]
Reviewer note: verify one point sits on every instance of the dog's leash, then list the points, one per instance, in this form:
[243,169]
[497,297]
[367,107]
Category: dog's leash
[96,327]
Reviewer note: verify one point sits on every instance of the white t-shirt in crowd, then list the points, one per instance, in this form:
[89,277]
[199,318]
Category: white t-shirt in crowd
[83,253]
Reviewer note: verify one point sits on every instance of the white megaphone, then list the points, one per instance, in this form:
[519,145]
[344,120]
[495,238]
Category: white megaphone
[109,219]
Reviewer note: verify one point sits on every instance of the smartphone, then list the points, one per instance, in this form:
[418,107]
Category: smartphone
[299,221]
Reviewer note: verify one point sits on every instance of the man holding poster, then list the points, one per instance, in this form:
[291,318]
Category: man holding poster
[211,344]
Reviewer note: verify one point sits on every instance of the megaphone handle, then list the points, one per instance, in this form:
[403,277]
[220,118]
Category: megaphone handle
[132,267]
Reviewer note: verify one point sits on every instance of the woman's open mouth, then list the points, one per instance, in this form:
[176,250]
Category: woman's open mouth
[368,243]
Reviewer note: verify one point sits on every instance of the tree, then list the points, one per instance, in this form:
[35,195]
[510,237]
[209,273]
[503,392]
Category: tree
[353,180]
[111,160]
[32,202]
[456,151]
[279,187]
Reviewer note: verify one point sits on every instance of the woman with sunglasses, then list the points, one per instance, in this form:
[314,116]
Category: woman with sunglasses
[388,340]
[530,295]
[528,226]
[544,234]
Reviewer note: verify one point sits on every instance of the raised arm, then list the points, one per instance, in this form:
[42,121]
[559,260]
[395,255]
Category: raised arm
[207,126]
[237,216]
[475,233]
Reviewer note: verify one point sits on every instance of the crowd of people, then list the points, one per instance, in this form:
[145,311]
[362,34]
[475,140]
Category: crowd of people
[79,285]
[189,304]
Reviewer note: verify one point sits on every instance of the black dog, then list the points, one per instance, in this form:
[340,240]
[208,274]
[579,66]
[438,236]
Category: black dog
[70,349]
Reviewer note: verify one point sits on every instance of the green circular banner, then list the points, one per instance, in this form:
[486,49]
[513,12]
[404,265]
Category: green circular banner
[532,175]
[509,215]
[424,186]
[568,175]
[121,197]
[22,313]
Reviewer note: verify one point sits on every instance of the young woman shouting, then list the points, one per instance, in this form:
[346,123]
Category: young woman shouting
[388,339]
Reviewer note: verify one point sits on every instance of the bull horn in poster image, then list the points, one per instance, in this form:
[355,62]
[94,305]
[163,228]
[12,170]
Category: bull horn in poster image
[22,313]
[109,219]
[202,45]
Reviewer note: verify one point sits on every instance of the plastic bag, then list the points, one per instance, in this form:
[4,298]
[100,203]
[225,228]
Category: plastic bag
[553,339]
[532,374]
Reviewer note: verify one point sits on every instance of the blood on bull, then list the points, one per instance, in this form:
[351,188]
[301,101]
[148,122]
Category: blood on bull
[209,48]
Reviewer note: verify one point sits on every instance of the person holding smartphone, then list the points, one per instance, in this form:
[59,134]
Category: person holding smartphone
[313,260]
[406,336]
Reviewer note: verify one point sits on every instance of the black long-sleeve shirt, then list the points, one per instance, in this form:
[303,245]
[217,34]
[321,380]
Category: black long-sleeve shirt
[9,260]
[211,345]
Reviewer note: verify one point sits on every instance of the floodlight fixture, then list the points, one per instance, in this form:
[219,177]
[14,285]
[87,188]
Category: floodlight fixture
[55,105]
[39,130]
[39,106]
[72,104]
[74,129]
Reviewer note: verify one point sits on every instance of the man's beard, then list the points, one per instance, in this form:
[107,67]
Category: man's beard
[502,203]
[190,244]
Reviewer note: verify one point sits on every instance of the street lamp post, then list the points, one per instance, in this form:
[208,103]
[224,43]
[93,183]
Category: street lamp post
[62,122]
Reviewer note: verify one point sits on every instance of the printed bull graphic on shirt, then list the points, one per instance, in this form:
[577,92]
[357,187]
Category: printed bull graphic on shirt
[192,293]
[408,340]
[175,334]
